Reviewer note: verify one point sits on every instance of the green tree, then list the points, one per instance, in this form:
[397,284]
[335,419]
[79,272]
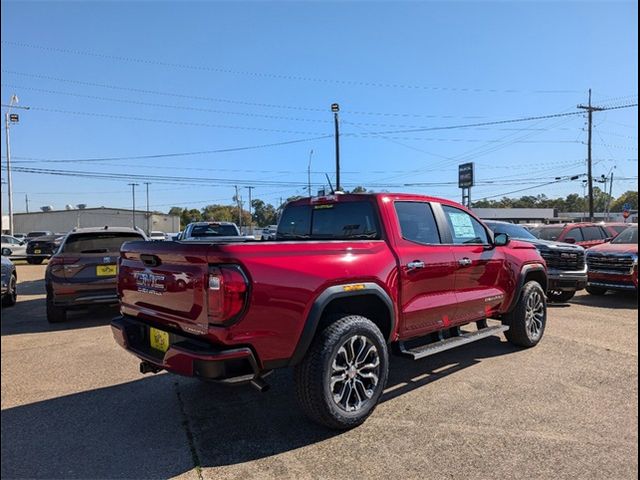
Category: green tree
[188,216]
[630,197]
[264,214]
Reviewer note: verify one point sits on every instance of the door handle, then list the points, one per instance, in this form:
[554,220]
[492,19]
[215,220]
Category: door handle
[465,262]
[415,264]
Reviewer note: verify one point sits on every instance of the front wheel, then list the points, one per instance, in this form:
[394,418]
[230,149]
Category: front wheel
[591,290]
[559,296]
[341,378]
[529,318]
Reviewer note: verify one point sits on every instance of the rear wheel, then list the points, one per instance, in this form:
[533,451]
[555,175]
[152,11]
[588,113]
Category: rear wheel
[35,260]
[529,318]
[11,296]
[341,378]
[55,314]
[596,290]
[559,296]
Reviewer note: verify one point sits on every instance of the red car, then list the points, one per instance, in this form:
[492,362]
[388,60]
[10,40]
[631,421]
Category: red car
[83,271]
[614,265]
[348,277]
[584,234]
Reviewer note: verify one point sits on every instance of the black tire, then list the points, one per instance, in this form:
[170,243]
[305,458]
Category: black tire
[32,261]
[55,314]
[528,319]
[313,376]
[598,291]
[559,296]
[11,295]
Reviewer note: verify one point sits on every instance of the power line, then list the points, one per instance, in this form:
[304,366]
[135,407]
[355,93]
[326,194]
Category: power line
[177,154]
[279,76]
[501,122]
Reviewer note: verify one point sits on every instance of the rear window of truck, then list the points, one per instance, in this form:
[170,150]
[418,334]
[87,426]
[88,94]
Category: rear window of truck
[214,230]
[98,243]
[333,221]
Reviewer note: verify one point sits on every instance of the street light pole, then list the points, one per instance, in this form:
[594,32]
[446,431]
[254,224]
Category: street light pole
[309,172]
[148,215]
[133,197]
[250,217]
[7,120]
[335,108]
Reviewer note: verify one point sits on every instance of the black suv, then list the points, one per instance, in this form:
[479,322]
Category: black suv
[566,265]
[41,248]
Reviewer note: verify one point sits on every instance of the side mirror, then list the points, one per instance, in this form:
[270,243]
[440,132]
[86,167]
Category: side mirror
[501,239]
[569,240]
[6,252]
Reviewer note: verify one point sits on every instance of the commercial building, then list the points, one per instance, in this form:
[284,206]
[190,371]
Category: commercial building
[517,215]
[61,221]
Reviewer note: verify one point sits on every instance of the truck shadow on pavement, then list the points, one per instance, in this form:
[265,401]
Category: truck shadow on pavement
[622,300]
[29,316]
[161,426]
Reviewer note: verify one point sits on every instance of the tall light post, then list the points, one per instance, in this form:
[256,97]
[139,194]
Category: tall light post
[8,119]
[309,172]
[148,214]
[133,197]
[335,108]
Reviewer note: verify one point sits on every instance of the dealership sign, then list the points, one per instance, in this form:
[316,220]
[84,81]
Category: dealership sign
[465,175]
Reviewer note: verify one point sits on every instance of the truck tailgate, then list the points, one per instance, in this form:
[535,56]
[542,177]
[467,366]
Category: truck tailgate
[165,281]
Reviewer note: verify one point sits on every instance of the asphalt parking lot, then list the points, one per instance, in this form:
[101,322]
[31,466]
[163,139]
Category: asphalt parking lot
[75,406]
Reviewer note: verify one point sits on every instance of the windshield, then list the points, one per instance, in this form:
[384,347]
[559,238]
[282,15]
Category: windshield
[547,233]
[514,231]
[98,243]
[630,235]
[214,230]
[334,221]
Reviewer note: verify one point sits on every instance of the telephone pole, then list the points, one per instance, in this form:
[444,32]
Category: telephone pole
[335,108]
[239,209]
[250,217]
[133,196]
[590,109]
[148,215]
[26,201]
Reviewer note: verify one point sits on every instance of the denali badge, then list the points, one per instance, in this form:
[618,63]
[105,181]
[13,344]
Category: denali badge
[150,283]
[568,255]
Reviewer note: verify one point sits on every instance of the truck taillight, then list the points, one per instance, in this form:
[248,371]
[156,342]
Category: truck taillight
[227,292]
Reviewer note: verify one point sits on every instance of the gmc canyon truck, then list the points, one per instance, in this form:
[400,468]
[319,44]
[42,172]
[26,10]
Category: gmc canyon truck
[348,278]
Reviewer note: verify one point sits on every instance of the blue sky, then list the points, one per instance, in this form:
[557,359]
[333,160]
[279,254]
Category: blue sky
[130,79]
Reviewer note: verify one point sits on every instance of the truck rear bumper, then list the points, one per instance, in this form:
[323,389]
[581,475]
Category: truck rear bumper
[186,356]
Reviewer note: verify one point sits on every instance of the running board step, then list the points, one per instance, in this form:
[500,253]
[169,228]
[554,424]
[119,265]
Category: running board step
[449,343]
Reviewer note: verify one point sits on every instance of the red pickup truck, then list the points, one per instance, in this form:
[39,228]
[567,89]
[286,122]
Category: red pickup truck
[347,277]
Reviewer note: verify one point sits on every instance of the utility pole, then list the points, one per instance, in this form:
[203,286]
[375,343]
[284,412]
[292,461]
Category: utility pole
[250,217]
[148,214]
[10,118]
[335,108]
[590,109]
[26,201]
[133,195]
[609,198]
[239,209]
[309,172]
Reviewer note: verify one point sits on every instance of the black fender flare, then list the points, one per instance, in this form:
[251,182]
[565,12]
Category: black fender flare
[526,269]
[330,294]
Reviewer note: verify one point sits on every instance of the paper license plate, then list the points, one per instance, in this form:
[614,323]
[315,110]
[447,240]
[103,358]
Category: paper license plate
[158,339]
[106,270]
[37,251]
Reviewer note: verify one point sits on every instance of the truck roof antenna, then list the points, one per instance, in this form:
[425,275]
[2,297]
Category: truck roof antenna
[330,186]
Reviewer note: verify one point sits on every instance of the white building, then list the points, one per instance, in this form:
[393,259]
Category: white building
[60,221]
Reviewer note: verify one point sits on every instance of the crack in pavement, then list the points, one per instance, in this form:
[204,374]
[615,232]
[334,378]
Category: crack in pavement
[190,438]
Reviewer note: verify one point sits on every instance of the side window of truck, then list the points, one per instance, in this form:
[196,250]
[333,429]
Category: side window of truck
[464,228]
[417,223]
[592,233]
[574,233]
